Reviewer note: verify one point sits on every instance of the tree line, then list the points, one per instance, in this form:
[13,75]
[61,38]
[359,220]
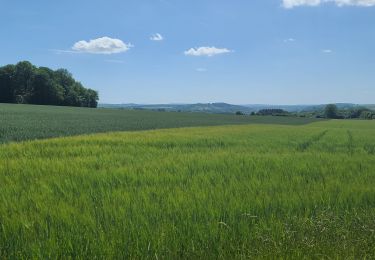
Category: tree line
[331,111]
[272,112]
[25,83]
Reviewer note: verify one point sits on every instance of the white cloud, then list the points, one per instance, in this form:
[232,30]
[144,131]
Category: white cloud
[201,69]
[104,45]
[295,3]
[115,61]
[62,51]
[206,51]
[327,51]
[156,37]
[289,40]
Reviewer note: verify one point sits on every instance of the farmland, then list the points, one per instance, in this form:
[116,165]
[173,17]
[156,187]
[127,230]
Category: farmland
[244,191]
[26,122]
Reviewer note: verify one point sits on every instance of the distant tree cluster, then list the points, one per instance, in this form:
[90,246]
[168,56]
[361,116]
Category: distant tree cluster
[332,112]
[361,112]
[272,112]
[240,113]
[25,83]
[367,114]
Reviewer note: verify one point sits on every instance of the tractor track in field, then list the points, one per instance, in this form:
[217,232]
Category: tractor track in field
[369,148]
[302,147]
[350,145]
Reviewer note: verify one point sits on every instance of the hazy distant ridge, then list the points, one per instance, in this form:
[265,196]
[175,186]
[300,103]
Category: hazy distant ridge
[228,108]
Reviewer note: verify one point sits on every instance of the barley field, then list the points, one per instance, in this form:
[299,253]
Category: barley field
[222,192]
[27,122]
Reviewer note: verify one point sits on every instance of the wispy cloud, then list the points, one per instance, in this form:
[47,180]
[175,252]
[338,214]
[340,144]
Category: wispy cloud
[156,37]
[57,51]
[289,40]
[115,61]
[296,3]
[327,51]
[201,69]
[104,45]
[206,51]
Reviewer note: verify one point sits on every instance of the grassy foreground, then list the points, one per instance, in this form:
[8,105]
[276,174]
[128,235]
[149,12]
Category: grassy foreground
[257,191]
[25,122]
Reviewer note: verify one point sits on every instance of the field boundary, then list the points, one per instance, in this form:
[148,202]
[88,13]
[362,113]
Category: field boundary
[32,122]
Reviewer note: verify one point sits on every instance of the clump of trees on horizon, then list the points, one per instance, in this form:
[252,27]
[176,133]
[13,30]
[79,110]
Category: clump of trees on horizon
[332,112]
[25,83]
[272,112]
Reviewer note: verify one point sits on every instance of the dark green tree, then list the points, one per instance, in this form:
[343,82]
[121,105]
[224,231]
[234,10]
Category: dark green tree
[239,113]
[22,81]
[330,111]
[26,83]
[6,84]
[92,97]
[46,91]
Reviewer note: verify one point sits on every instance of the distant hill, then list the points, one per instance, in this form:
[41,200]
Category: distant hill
[224,108]
[216,108]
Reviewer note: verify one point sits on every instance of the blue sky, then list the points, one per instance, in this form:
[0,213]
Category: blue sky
[178,51]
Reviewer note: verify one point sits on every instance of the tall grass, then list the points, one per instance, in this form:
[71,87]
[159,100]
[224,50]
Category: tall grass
[209,192]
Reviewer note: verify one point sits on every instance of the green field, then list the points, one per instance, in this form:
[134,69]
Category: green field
[25,122]
[223,192]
